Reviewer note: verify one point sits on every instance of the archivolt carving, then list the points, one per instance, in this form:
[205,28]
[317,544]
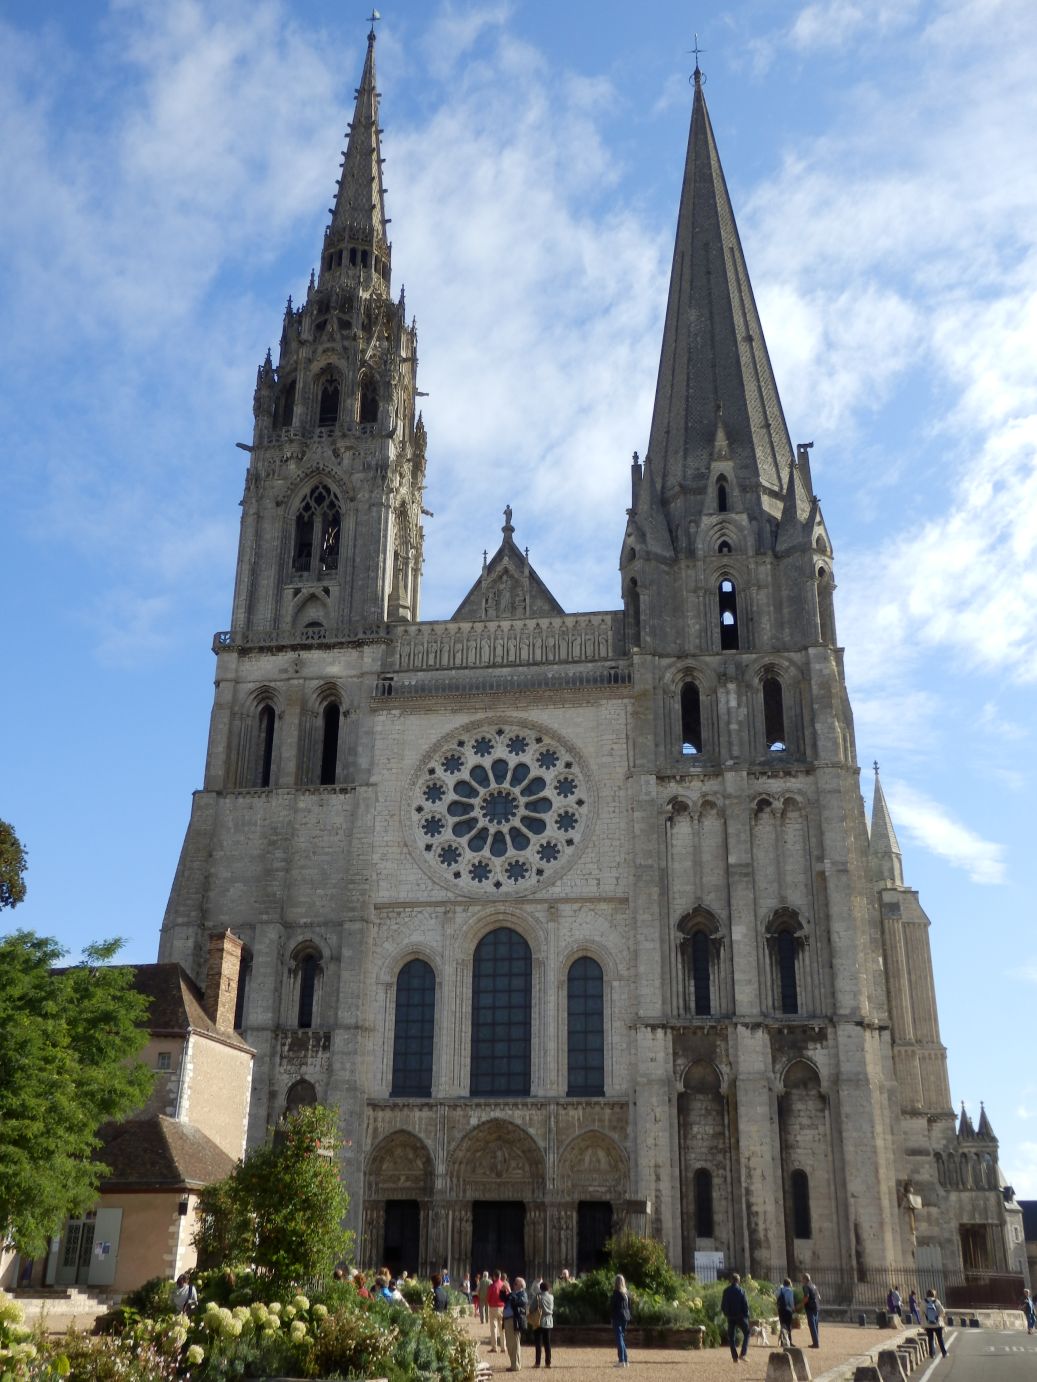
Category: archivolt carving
[592,1166]
[400,1168]
[497,1161]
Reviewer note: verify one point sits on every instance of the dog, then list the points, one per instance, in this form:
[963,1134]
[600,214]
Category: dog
[758,1333]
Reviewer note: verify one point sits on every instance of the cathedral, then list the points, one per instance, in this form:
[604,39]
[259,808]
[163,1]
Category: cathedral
[575,917]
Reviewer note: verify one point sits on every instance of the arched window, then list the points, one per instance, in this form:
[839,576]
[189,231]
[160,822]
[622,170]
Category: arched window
[267,722]
[330,722]
[329,402]
[723,547]
[788,996]
[774,715]
[989,1179]
[721,495]
[367,400]
[703,1190]
[964,1168]
[308,969]
[825,608]
[633,610]
[318,530]
[241,998]
[502,1001]
[302,1094]
[698,964]
[586,1022]
[414,1032]
[691,719]
[801,1225]
[700,974]
[727,601]
[286,405]
[941,1169]
[952,1171]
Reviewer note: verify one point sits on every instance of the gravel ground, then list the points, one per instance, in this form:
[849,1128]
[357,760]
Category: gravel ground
[838,1342]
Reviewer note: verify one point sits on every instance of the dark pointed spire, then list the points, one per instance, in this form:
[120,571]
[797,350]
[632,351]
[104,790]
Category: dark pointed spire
[360,202]
[714,358]
[983,1128]
[965,1128]
[887,865]
[649,517]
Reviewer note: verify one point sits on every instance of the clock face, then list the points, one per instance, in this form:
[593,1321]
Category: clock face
[498,808]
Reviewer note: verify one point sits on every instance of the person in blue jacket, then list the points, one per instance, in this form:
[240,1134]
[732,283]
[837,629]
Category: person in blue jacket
[619,1310]
[734,1304]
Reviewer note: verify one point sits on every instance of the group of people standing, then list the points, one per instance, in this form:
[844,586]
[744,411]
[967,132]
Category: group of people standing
[509,1309]
[932,1316]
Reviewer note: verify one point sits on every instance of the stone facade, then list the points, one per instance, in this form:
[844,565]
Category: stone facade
[575,917]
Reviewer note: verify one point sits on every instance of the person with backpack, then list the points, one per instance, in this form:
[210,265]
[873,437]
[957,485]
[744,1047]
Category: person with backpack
[185,1295]
[516,1309]
[934,1317]
[786,1309]
[812,1310]
[734,1305]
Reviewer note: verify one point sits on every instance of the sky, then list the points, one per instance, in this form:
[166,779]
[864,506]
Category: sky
[166,170]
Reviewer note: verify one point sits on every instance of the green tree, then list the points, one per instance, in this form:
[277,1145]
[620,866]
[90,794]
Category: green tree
[12,867]
[68,1042]
[282,1208]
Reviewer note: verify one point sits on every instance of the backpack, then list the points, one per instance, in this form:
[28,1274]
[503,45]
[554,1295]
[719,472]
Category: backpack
[932,1312]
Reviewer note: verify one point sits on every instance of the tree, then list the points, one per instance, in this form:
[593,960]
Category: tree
[12,867]
[282,1208]
[68,1042]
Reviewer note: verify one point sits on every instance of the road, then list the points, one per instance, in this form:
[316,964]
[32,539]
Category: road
[984,1355]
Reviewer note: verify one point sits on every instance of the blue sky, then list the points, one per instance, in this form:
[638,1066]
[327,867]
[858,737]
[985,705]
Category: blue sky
[166,169]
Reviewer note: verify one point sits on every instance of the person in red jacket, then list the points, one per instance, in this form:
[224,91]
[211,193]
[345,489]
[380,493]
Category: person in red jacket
[495,1302]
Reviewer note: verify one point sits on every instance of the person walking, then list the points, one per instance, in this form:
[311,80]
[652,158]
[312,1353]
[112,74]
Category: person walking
[185,1295]
[934,1318]
[440,1298]
[542,1319]
[619,1312]
[516,1308]
[786,1309]
[912,1307]
[495,1304]
[894,1304]
[1030,1312]
[734,1305]
[483,1298]
[812,1310]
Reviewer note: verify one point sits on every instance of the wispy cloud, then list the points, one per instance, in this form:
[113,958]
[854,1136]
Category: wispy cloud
[935,829]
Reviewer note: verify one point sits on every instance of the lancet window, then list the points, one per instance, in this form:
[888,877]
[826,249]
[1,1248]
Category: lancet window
[727,601]
[502,1023]
[317,533]
[413,1036]
[329,399]
[585,987]
[801,1224]
[691,719]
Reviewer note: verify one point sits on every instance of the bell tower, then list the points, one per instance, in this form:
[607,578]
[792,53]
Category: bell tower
[331,537]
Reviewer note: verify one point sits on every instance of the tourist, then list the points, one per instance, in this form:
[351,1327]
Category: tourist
[1029,1312]
[385,1288]
[934,1317]
[360,1282]
[894,1304]
[440,1296]
[912,1307]
[466,1288]
[734,1305]
[515,1310]
[483,1298]
[619,1309]
[445,1274]
[786,1309]
[495,1301]
[542,1322]
[812,1310]
[185,1296]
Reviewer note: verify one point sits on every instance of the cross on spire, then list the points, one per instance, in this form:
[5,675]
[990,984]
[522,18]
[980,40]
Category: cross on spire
[373,19]
[697,50]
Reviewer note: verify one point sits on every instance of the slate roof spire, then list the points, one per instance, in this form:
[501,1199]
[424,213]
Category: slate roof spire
[886,861]
[359,210]
[714,358]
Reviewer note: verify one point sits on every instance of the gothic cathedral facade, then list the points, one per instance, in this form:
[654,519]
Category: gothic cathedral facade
[575,917]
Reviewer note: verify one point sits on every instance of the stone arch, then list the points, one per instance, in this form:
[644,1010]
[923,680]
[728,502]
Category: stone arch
[302,1094]
[399,1167]
[497,1161]
[800,1074]
[807,1178]
[704,1141]
[399,1185]
[592,1166]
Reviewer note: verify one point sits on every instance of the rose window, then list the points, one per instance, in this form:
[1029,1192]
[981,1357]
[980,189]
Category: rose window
[499,810]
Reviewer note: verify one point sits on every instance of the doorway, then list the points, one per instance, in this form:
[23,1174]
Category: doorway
[593,1230]
[401,1245]
[76,1250]
[499,1236]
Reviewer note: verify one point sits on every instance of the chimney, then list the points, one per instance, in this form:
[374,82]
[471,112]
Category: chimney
[221,979]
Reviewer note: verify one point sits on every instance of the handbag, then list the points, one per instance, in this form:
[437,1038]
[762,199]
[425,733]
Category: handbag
[536,1314]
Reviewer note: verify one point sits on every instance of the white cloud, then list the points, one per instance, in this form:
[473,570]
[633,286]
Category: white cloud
[933,827]
[1024,1170]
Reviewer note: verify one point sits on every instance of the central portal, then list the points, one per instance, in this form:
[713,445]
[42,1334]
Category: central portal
[499,1237]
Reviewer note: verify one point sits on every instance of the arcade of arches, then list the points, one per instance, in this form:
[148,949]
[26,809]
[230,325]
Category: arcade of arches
[496,1203]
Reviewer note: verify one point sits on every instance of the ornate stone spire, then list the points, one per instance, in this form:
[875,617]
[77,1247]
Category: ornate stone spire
[887,864]
[714,359]
[360,202]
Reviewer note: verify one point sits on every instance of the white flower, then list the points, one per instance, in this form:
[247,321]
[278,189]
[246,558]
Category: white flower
[301,1303]
[195,1354]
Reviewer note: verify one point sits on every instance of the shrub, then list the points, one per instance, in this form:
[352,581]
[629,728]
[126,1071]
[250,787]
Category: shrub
[642,1261]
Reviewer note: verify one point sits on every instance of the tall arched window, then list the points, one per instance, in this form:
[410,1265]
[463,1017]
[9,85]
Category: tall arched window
[367,400]
[788,995]
[502,1002]
[241,998]
[727,600]
[302,1094]
[801,1225]
[414,1031]
[633,613]
[267,722]
[700,973]
[825,607]
[308,969]
[586,1021]
[330,723]
[774,715]
[327,415]
[285,407]
[698,935]
[721,495]
[318,532]
[703,1190]
[941,1169]
[691,719]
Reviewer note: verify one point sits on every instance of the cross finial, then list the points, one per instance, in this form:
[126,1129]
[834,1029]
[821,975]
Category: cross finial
[696,75]
[875,765]
[373,19]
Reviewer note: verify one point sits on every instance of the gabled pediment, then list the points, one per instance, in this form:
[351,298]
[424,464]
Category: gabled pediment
[508,587]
